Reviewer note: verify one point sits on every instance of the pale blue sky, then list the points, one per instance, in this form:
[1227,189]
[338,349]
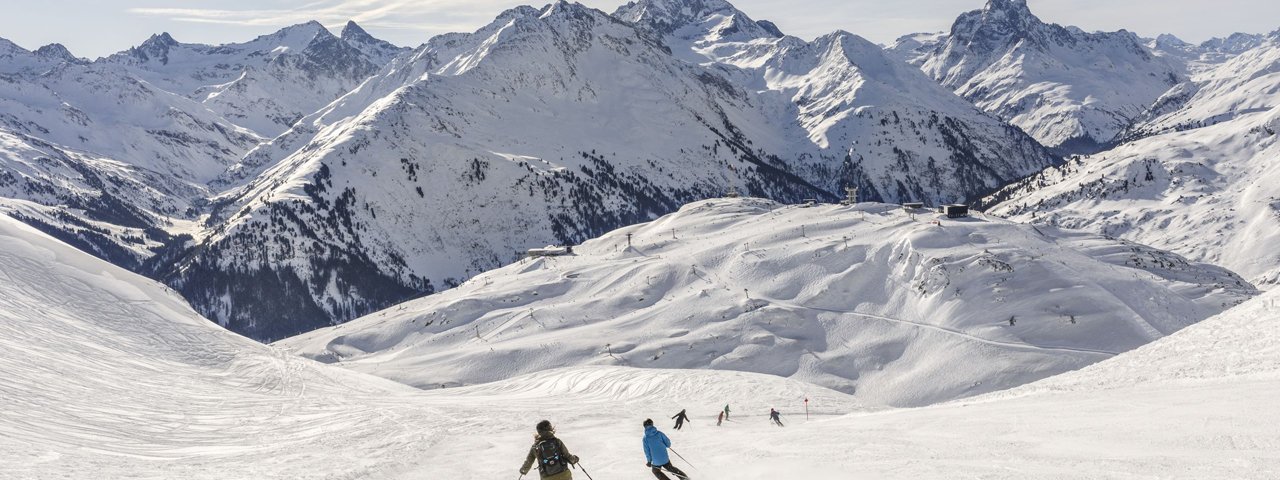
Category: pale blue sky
[92,28]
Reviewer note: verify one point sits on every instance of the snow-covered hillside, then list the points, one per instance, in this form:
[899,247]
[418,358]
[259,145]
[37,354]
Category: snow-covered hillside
[868,300]
[116,211]
[110,375]
[107,375]
[103,109]
[915,48]
[1248,83]
[1208,193]
[1071,90]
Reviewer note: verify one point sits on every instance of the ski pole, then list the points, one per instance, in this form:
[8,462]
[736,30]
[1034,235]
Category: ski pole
[584,470]
[695,467]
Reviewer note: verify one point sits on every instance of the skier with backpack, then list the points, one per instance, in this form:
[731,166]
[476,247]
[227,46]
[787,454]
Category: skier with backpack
[655,452]
[552,456]
[680,418]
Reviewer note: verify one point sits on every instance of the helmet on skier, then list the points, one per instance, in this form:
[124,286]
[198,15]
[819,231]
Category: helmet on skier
[648,422]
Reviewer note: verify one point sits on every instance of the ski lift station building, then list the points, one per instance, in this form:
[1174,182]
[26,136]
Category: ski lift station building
[549,251]
[954,210]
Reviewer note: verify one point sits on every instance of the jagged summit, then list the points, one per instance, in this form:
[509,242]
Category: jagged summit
[353,31]
[1072,90]
[378,50]
[1018,7]
[1000,23]
[1235,43]
[691,19]
[162,38]
[57,51]
[294,36]
[17,60]
[154,48]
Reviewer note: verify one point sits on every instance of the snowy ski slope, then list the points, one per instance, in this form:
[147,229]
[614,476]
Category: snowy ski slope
[868,299]
[107,375]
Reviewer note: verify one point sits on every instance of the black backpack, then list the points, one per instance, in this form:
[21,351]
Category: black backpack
[550,460]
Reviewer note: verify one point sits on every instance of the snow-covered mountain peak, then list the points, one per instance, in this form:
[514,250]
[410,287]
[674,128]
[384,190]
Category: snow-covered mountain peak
[378,50]
[998,22]
[293,37]
[17,60]
[1013,10]
[1166,40]
[154,48]
[56,51]
[674,12]
[854,48]
[696,20]
[1072,90]
[1235,43]
[353,31]
[265,84]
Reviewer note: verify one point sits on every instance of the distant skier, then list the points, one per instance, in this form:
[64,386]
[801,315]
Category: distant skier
[655,452]
[726,412]
[720,420]
[680,418]
[552,456]
[776,416]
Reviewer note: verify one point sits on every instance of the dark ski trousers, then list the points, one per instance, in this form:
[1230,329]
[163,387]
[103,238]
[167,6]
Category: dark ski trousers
[657,471]
[679,423]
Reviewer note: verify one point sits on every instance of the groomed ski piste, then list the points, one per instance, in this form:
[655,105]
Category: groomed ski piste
[109,375]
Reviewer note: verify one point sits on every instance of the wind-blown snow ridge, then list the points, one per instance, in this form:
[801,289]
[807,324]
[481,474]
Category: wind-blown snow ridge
[865,299]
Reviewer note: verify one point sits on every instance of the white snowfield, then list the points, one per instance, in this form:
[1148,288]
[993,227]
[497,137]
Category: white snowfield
[106,375]
[871,300]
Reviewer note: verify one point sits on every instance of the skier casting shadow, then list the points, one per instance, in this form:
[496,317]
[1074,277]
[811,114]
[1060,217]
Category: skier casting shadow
[680,418]
[776,416]
[552,456]
[655,452]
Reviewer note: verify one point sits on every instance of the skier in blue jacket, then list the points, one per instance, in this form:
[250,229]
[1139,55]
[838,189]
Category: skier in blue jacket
[655,452]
